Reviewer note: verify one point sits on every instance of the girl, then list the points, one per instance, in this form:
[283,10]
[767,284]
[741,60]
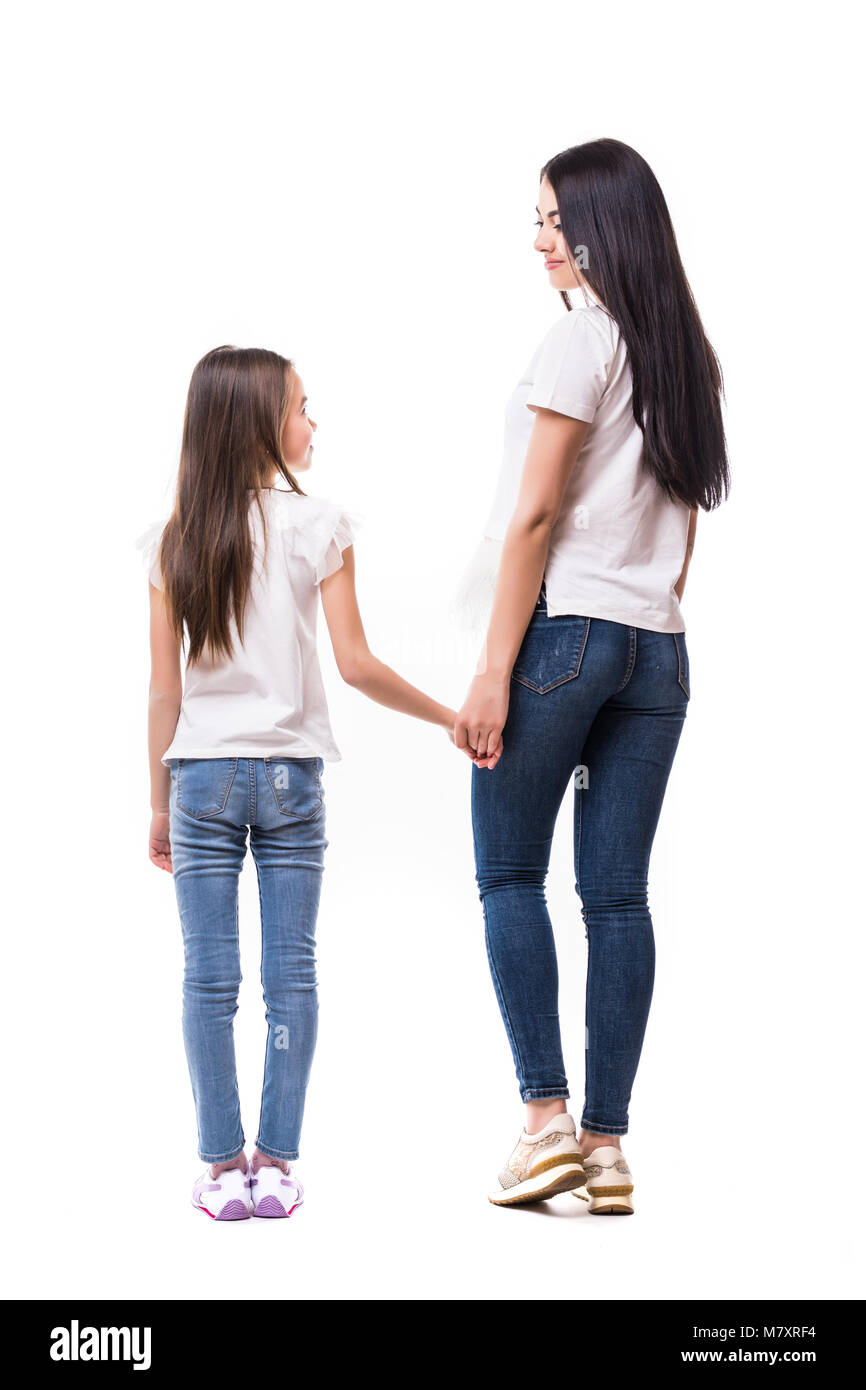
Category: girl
[239,744]
[614,438]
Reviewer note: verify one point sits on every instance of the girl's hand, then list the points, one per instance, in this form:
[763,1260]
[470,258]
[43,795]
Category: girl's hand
[491,761]
[160,845]
[478,730]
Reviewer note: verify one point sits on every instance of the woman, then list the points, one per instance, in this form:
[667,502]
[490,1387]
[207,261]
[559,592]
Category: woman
[614,438]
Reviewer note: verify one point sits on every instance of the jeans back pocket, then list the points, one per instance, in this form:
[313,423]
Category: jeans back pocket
[297,786]
[551,651]
[203,785]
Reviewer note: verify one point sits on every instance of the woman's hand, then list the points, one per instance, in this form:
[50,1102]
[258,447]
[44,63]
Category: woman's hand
[478,730]
[160,844]
[450,727]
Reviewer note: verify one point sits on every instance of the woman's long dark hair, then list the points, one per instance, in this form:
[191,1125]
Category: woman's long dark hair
[616,223]
[236,408]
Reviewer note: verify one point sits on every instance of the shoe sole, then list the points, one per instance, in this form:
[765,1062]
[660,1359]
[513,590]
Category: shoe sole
[564,1178]
[235,1210]
[271,1207]
[610,1203]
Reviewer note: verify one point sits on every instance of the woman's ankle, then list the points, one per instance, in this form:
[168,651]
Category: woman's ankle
[590,1139]
[540,1112]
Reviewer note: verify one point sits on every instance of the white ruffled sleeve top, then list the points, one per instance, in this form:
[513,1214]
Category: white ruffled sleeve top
[268,699]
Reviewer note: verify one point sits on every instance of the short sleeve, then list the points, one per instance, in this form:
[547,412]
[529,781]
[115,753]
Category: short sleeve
[570,371]
[340,534]
[148,546]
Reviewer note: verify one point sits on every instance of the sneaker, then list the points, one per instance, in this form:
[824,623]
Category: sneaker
[275,1193]
[226,1198]
[608,1182]
[541,1165]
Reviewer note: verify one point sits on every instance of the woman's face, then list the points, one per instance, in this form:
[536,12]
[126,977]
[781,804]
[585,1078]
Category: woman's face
[562,275]
[298,432]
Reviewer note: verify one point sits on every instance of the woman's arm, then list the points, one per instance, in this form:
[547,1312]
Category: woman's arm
[164,699]
[690,545]
[554,445]
[357,664]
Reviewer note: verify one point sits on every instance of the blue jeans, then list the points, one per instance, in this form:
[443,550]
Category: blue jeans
[213,802]
[603,703]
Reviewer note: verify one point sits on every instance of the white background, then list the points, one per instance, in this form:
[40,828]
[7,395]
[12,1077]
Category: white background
[354,186]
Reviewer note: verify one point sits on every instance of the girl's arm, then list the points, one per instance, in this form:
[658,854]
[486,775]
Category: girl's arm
[357,664]
[164,699]
[554,445]
[690,545]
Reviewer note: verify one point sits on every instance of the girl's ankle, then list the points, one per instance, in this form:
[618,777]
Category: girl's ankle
[239,1162]
[265,1161]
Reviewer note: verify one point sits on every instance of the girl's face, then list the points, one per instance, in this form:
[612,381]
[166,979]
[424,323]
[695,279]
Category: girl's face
[298,432]
[562,274]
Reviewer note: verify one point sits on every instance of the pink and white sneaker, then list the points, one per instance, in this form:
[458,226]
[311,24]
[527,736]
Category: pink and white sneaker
[275,1193]
[226,1198]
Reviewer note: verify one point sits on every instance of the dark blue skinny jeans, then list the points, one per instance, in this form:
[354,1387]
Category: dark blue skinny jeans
[602,703]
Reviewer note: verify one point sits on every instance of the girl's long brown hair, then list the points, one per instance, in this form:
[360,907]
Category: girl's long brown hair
[236,407]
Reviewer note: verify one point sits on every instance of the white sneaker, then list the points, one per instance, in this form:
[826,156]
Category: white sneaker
[226,1198]
[274,1192]
[609,1182]
[541,1165]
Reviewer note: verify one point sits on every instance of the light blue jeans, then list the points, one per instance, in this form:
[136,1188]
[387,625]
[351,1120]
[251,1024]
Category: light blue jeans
[213,803]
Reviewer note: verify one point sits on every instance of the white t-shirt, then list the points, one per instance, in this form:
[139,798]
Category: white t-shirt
[619,544]
[269,699]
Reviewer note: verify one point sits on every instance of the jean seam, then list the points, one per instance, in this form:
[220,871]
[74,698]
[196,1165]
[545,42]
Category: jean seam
[503,1005]
[681,665]
[579,809]
[262,981]
[632,660]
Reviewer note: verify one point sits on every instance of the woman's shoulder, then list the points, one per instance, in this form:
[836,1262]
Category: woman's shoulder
[583,321]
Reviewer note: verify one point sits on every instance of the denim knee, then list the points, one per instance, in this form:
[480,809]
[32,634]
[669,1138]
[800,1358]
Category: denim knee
[490,880]
[612,897]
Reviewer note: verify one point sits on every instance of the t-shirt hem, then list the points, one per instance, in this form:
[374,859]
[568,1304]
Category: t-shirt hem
[575,409]
[620,615]
[246,751]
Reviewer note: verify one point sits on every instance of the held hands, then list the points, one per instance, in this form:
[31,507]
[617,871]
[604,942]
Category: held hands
[160,845]
[451,730]
[479,724]
[476,730]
